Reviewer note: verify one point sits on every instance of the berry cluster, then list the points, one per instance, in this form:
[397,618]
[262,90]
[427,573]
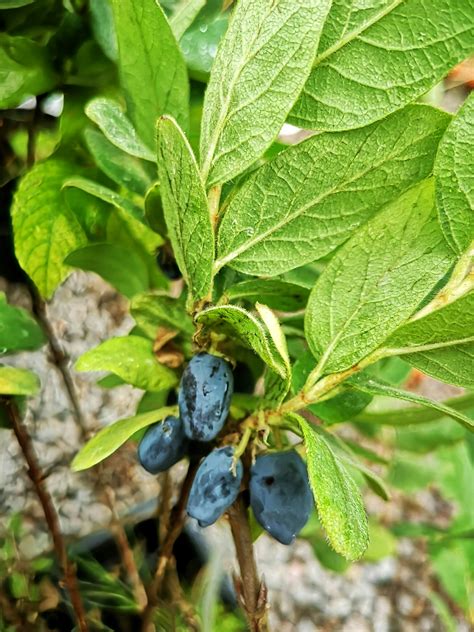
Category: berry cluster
[280,496]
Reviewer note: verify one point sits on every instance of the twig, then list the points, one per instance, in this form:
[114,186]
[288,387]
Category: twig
[165,551]
[36,476]
[60,360]
[252,591]
[178,598]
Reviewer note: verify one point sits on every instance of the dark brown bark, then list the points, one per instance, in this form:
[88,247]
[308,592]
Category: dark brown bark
[36,476]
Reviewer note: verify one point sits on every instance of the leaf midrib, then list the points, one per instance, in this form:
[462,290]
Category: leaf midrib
[356,32]
[298,212]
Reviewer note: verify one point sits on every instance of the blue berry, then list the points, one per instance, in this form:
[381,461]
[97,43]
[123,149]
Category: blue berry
[163,445]
[215,486]
[204,396]
[280,495]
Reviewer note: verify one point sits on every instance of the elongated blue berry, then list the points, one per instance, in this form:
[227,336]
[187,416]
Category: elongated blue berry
[204,396]
[163,445]
[215,486]
[280,495]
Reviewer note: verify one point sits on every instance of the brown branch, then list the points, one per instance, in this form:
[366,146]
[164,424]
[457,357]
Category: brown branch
[60,359]
[252,592]
[165,551]
[52,520]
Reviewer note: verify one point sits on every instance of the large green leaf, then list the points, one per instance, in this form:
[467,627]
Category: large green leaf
[259,71]
[454,365]
[445,327]
[185,208]
[377,280]
[338,499]
[45,229]
[117,127]
[376,387]
[152,309]
[152,70]
[18,330]
[15,381]
[377,56]
[311,197]
[25,70]
[123,268]
[124,169]
[455,179]
[250,330]
[132,359]
[110,438]
[440,344]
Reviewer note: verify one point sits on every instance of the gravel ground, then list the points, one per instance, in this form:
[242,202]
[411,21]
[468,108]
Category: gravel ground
[388,596]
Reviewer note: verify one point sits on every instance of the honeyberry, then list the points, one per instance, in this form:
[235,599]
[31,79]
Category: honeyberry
[204,396]
[215,486]
[163,445]
[280,496]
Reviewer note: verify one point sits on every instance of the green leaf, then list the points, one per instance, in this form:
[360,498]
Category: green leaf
[25,70]
[338,500]
[13,4]
[260,68]
[200,42]
[373,387]
[430,436]
[445,327]
[124,169]
[107,195]
[185,208]
[117,128]
[152,70]
[454,181]
[237,322]
[331,184]
[184,15]
[102,24]
[15,381]
[18,330]
[110,438]
[45,229]
[123,268]
[373,60]
[454,365]
[414,415]
[152,309]
[132,359]
[277,294]
[376,281]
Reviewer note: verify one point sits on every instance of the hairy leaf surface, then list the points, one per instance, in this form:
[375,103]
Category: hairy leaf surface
[338,499]
[377,280]
[377,56]
[152,69]
[259,71]
[185,208]
[454,365]
[151,310]
[45,229]
[455,179]
[311,197]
